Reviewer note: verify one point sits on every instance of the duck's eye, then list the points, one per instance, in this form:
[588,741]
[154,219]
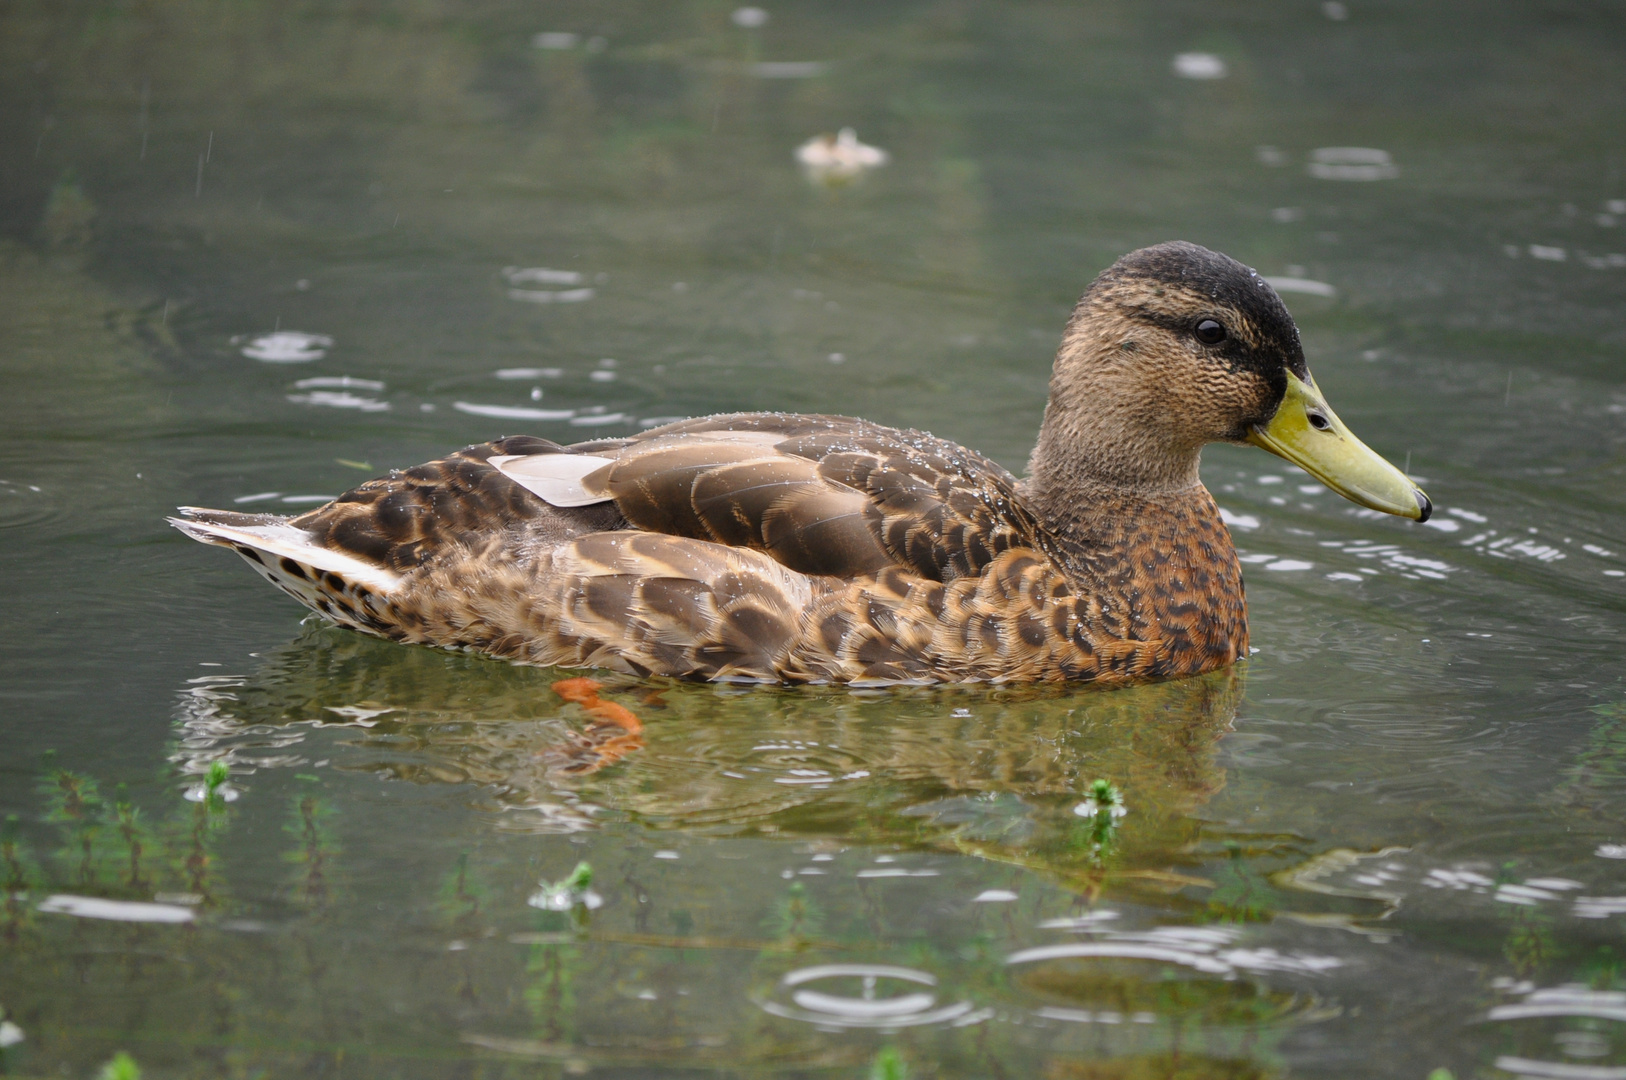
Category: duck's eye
[1210,332]
[1318,420]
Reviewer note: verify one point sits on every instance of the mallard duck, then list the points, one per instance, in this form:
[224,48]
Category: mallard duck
[796,548]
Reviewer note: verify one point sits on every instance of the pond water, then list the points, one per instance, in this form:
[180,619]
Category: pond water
[253,253]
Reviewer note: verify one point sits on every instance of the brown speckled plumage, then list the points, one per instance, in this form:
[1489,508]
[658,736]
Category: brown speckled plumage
[817,548]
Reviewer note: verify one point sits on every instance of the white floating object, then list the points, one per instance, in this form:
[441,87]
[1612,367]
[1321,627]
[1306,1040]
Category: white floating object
[1351,163]
[556,39]
[994,896]
[1547,253]
[540,275]
[10,1034]
[839,156]
[1301,285]
[1199,65]
[749,17]
[288,347]
[528,373]
[1290,564]
[95,907]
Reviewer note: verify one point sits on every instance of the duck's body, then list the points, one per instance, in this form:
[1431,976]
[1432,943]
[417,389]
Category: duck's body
[824,549]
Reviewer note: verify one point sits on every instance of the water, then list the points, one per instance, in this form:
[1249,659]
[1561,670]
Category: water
[256,254]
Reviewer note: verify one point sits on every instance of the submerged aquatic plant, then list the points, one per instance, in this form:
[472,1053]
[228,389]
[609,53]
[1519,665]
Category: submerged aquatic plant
[796,918]
[74,804]
[1104,799]
[316,849]
[120,1067]
[461,894]
[127,818]
[1101,809]
[15,865]
[888,1065]
[1241,894]
[568,893]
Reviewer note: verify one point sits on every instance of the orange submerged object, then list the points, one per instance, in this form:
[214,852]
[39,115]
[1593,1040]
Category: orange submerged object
[616,730]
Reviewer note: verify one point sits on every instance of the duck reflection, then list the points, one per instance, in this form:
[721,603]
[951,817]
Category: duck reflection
[1001,772]
[1006,774]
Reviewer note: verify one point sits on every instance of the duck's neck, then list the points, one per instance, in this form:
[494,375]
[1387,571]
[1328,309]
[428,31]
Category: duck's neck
[1097,470]
[1156,553]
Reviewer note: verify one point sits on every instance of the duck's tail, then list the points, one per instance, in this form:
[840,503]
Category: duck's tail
[349,591]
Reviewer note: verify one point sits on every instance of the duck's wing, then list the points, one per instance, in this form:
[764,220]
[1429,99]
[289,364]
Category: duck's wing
[398,522]
[820,494]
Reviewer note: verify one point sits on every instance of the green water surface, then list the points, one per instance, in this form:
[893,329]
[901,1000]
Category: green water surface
[1392,841]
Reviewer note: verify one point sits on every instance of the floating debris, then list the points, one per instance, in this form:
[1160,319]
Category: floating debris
[838,157]
[1199,65]
[750,18]
[287,347]
[1351,163]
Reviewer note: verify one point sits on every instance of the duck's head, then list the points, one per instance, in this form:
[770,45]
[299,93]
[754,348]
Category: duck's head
[1174,347]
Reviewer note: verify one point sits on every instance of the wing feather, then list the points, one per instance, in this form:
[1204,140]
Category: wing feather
[822,494]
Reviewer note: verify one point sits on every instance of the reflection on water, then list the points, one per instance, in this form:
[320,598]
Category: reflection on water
[995,772]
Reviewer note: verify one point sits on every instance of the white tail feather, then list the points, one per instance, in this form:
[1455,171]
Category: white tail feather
[287,541]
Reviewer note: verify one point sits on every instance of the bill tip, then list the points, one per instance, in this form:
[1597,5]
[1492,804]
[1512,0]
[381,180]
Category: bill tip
[1425,508]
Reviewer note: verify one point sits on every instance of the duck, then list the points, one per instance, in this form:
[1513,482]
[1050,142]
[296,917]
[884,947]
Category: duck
[795,548]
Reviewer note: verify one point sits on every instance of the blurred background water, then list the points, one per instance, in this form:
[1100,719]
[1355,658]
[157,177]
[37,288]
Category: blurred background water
[253,253]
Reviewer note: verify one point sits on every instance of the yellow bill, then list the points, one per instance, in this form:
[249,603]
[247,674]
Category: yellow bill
[1310,435]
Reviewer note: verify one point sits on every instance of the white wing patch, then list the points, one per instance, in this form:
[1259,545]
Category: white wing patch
[286,541]
[557,479]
